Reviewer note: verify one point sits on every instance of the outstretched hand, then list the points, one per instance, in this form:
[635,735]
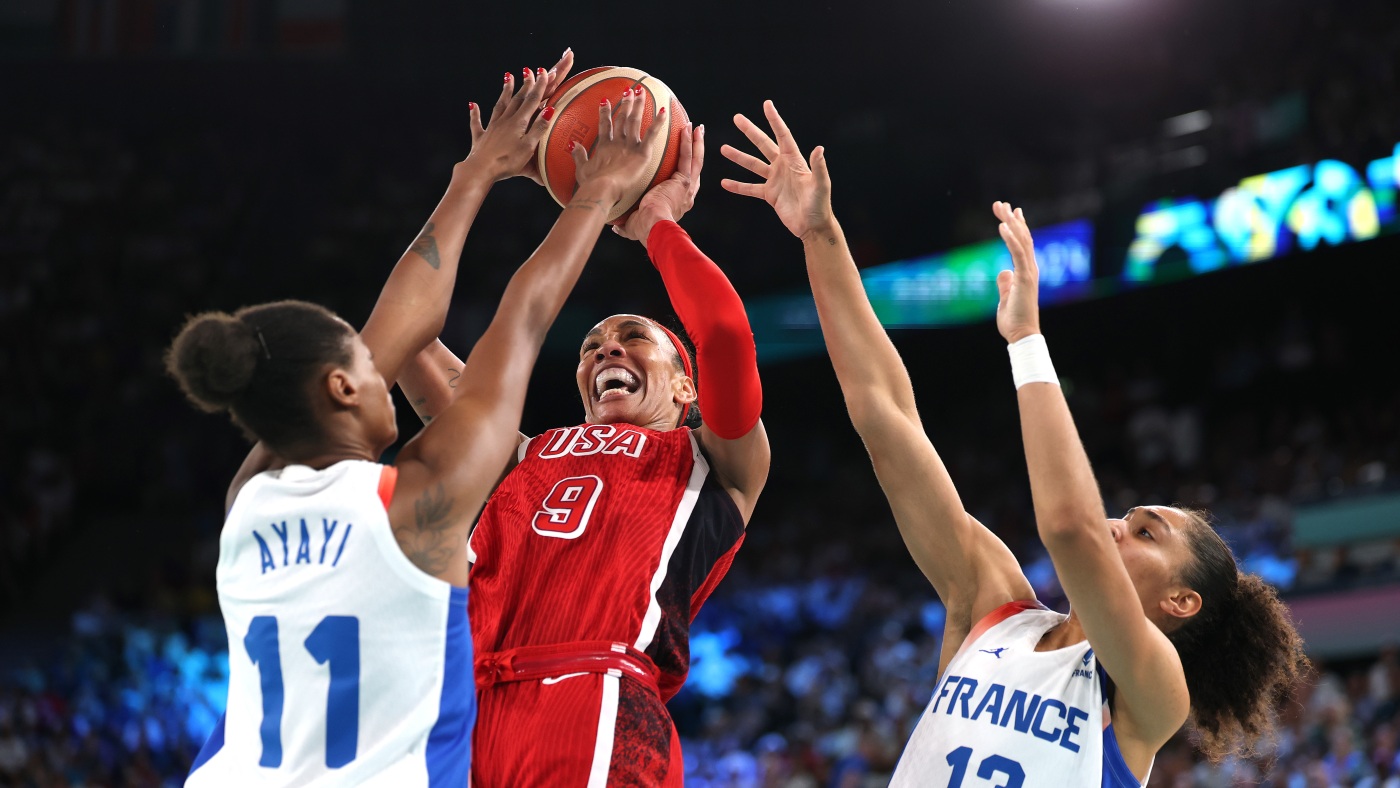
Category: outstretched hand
[674,197]
[798,188]
[1018,311]
[507,148]
[622,153]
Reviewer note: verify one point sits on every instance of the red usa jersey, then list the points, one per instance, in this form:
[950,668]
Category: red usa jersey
[603,532]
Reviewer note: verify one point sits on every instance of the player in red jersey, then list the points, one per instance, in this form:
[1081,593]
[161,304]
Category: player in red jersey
[599,547]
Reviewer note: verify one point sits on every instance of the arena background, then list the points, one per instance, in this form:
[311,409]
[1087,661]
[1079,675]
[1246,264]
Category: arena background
[160,157]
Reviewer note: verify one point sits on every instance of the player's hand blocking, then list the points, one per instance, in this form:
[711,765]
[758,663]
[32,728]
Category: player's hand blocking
[506,148]
[621,154]
[798,187]
[674,197]
[1018,313]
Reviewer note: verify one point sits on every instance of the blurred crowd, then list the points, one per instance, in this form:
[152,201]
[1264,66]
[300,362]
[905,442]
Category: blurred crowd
[829,697]
[814,658]
[817,654]
[1331,98]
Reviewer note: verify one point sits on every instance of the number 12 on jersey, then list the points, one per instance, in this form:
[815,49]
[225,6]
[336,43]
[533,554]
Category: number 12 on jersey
[335,642]
[988,769]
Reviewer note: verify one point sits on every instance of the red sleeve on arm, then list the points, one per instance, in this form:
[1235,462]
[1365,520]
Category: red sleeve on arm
[731,396]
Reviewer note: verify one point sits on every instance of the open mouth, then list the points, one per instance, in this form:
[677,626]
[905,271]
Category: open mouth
[614,382]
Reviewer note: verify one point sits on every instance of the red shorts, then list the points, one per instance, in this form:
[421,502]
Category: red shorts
[582,715]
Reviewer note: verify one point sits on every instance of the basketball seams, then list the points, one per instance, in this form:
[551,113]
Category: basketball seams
[550,157]
[586,81]
[615,108]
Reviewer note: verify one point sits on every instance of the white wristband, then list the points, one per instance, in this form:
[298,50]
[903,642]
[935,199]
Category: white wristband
[1030,361]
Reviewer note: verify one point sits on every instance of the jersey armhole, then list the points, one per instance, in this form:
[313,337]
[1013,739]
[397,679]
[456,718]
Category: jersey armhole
[1116,771]
[388,478]
[996,617]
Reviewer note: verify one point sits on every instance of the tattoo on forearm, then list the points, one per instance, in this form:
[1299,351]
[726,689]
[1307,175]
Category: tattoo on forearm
[429,543]
[426,246]
[452,381]
[584,204]
[418,408]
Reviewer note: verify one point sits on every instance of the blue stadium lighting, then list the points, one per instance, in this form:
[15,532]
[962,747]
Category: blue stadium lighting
[1266,216]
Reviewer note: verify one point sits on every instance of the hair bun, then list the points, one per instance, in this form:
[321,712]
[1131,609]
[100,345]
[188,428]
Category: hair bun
[213,358]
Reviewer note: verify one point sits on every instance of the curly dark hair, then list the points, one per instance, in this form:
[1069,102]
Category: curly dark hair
[1241,653]
[254,362]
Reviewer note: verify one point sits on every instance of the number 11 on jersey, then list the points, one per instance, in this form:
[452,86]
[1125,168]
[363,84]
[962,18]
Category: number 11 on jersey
[335,642]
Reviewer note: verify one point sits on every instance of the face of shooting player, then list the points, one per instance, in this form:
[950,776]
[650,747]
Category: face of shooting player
[630,372]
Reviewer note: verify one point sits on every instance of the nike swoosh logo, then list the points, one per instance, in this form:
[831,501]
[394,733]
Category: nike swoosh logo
[557,679]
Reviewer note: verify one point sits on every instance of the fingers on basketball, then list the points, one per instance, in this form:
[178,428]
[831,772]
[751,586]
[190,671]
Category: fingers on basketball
[633,110]
[658,123]
[605,121]
[697,160]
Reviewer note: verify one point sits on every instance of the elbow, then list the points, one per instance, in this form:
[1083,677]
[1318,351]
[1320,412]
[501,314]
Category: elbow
[728,337]
[864,406]
[872,410]
[434,329]
[425,334]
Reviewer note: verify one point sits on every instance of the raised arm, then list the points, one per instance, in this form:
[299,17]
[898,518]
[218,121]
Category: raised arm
[412,306]
[971,569]
[446,473]
[430,378]
[1152,700]
[713,315]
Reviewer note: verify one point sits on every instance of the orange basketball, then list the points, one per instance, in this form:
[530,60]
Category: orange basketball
[575,119]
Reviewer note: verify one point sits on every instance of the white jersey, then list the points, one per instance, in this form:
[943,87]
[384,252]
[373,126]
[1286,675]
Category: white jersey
[347,664]
[1004,714]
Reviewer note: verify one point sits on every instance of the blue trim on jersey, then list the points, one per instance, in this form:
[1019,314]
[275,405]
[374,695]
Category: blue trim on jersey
[1116,773]
[450,741]
[212,745]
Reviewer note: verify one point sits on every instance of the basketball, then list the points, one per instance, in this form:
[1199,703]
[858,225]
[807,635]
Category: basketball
[575,119]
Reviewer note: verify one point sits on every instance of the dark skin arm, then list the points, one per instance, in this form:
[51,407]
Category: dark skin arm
[447,471]
[429,379]
[412,306]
